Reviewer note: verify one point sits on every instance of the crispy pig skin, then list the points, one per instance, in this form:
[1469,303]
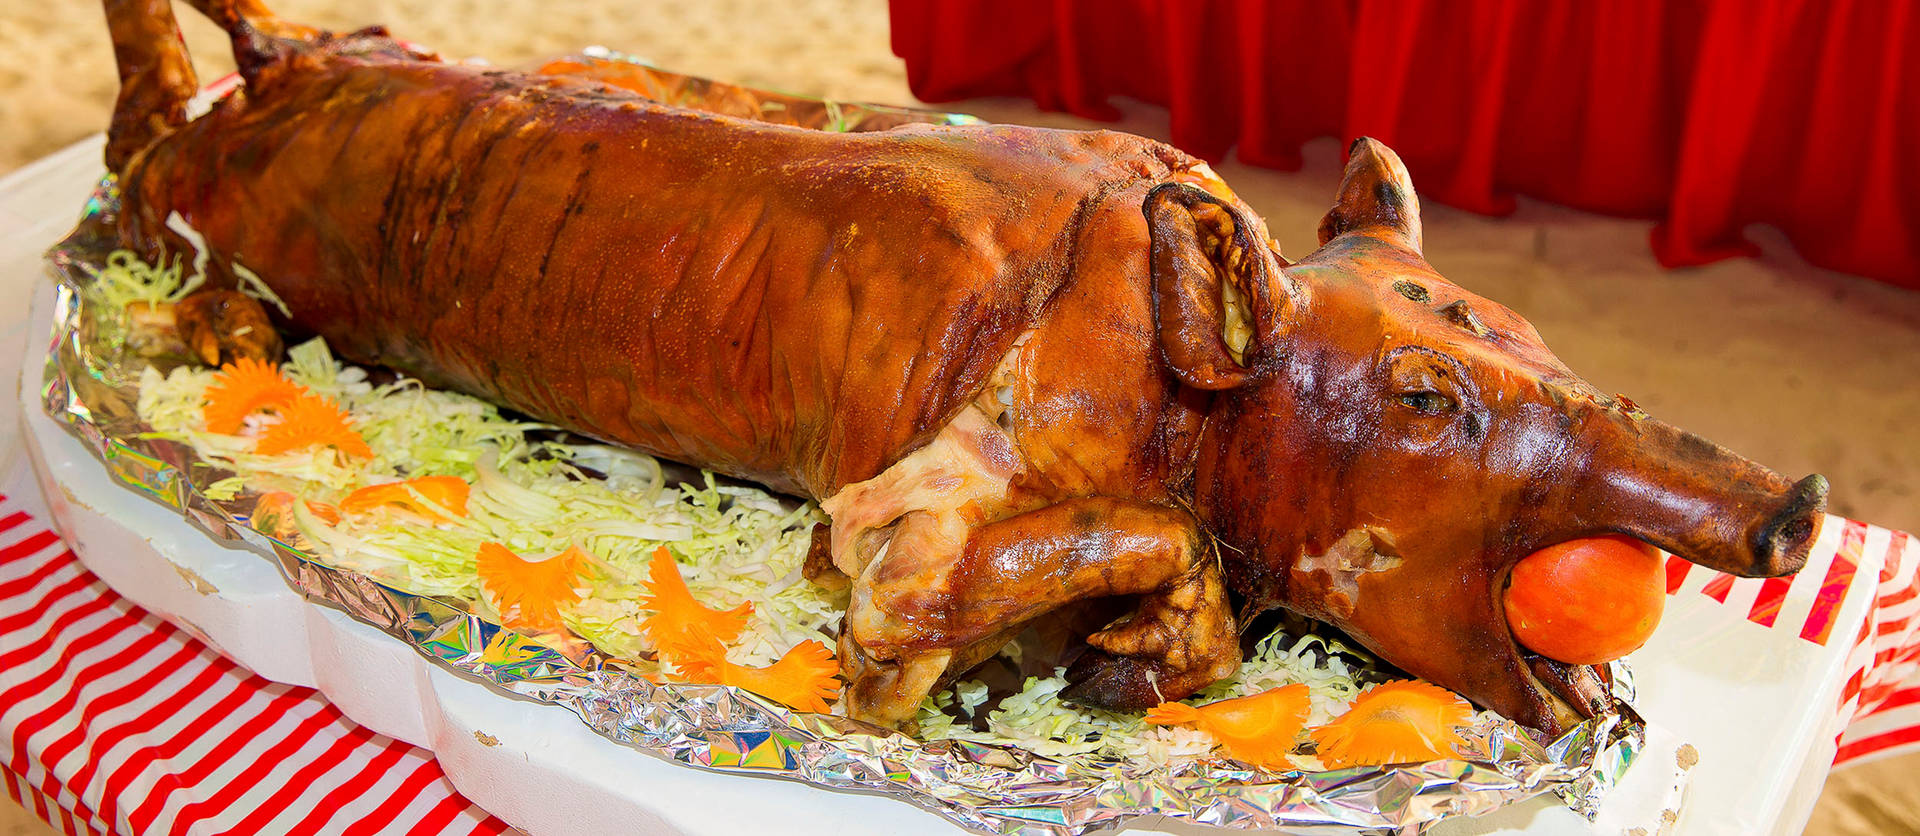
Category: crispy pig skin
[707,288]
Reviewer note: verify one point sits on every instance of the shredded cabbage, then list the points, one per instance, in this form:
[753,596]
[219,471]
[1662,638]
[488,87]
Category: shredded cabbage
[536,497]
[251,285]
[1037,720]
[125,280]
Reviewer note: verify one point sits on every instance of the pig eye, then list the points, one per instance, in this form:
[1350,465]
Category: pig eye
[1427,403]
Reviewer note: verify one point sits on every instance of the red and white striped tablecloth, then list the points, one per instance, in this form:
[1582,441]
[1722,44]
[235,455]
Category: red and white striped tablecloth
[1883,692]
[114,721]
[1879,708]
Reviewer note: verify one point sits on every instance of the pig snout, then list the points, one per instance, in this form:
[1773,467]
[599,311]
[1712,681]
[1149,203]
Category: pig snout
[1695,499]
[1781,543]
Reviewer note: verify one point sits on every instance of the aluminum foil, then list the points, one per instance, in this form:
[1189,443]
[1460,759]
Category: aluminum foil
[91,388]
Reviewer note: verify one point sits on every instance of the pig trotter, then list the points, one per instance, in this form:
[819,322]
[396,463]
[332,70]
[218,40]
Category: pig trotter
[920,609]
[1175,643]
[221,326]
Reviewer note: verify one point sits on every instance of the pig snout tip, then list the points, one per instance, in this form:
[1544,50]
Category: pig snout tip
[1780,545]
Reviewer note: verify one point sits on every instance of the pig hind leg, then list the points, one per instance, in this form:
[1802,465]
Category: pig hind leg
[256,14]
[925,609]
[215,324]
[156,77]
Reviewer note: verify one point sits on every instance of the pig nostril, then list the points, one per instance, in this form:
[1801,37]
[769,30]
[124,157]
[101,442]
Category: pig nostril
[1786,538]
[1794,533]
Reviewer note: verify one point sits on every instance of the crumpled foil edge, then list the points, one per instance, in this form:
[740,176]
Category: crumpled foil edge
[993,789]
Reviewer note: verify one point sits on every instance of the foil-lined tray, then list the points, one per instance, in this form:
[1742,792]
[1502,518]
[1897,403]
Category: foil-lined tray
[91,388]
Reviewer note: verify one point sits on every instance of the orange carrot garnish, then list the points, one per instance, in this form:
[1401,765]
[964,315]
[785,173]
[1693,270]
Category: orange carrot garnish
[242,388]
[449,492]
[1259,729]
[1397,722]
[804,678]
[312,421]
[677,619]
[530,593]
[273,514]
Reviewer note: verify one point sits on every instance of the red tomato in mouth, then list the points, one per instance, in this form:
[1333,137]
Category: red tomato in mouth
[1586,601]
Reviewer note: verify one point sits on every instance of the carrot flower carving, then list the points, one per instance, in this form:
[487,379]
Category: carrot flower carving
[1396,722]
[677,619]
[312,421]
[242,388]
[445,492]
[273,514]
[530,594]
[804,678]
[694,636]
[1259,729]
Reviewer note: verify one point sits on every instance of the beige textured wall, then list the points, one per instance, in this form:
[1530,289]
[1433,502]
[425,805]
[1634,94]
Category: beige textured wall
[57,79]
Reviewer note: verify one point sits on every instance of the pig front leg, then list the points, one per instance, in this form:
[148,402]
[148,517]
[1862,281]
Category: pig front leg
[945,596]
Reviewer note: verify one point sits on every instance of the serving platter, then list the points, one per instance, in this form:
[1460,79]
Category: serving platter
[532,764]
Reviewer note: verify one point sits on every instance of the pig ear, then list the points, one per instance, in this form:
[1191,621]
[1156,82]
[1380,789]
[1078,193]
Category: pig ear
[1376,197]
[1214,282]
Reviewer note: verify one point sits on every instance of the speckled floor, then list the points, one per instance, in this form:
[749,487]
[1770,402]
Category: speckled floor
[1802,369]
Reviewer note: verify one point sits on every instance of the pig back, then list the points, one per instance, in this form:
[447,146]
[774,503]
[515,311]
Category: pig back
[795,307]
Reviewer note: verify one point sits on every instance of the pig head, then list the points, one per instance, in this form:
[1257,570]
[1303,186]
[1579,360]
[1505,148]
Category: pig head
[1383,445]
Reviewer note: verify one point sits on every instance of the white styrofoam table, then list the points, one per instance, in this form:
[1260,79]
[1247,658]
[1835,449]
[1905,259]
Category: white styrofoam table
[1748,699]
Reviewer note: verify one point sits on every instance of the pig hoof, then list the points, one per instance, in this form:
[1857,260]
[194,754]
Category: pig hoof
[1118,683]
[222,326]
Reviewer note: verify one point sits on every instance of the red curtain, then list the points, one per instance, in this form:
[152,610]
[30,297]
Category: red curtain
[1707,116]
